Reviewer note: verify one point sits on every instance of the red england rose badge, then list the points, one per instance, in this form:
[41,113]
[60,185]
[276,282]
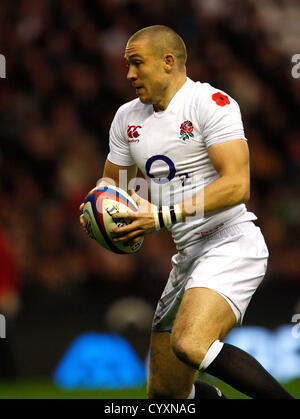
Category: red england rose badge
[220,99]
[186,130]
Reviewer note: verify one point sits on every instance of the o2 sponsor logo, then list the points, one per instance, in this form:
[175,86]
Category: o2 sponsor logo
[167,161]
[171,170]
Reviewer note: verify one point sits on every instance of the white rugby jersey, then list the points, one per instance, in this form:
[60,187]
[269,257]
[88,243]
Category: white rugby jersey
[170,148]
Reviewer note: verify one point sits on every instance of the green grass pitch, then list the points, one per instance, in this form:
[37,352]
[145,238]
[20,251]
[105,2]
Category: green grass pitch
[47,390]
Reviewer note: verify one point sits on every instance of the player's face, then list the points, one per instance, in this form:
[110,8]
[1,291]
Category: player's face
[146,71]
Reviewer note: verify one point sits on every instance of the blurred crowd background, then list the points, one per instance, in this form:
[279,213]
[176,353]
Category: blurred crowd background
[65,79]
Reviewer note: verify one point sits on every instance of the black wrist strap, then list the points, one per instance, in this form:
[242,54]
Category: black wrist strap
[160,217]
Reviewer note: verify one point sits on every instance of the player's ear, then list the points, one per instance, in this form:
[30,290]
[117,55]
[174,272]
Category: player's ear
[169,62]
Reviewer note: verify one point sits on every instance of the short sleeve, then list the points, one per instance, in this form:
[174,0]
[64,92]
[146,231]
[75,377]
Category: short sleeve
[118,143]
[223,120]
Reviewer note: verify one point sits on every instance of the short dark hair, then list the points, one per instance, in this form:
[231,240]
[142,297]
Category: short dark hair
[164,39]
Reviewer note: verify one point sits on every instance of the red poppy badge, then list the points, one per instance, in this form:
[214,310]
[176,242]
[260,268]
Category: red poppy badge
[220,99]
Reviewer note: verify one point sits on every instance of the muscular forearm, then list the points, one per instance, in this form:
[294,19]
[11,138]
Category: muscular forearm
[222,193]
[119,176]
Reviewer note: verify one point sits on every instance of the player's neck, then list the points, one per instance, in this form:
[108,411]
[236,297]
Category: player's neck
[169,93]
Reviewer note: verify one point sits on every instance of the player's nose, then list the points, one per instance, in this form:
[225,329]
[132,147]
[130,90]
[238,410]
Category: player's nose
[131,75]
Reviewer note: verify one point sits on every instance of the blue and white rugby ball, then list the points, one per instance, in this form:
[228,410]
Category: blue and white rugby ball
[100,205]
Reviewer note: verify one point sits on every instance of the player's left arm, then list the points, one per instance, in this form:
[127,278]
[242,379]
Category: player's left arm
[231,161]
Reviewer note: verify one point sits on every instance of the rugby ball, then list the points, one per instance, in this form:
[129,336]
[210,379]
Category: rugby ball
[100,205]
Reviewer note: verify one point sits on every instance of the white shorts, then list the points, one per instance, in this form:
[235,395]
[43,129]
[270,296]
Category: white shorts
[232,262]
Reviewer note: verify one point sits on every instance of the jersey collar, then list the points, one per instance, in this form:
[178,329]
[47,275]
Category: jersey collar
[178,96]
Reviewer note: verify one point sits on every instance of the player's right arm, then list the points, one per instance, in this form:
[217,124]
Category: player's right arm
[117,174]
[113,174]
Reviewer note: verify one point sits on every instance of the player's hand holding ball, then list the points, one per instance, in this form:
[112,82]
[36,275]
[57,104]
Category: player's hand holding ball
[138,223]
[107,208]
